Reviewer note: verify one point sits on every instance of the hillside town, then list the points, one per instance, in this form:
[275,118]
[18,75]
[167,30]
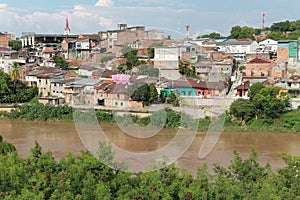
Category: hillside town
[98,69]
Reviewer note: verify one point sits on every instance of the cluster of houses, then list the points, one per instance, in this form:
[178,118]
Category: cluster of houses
[224,67]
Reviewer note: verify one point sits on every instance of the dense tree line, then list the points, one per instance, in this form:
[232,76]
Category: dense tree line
[278,31]
[40,176]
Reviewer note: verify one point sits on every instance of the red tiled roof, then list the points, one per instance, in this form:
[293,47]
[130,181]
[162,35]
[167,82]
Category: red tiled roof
[259,60]
[109,73]
[113,88]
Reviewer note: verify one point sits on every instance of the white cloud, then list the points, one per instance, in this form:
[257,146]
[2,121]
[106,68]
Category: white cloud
[3,5]
[105,3]
[79,7]
[106,22]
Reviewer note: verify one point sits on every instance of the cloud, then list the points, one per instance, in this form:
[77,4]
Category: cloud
[3,5]
[106,22]
[79,7]
[105,3]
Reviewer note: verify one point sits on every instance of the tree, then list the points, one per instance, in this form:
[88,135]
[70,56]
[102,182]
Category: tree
[276,36]
[6,148]
[295,35]
[153,93]
[186,69]
[243,109]
[60,62]
[281,26]
[132,60]
[242,32]
[254,89]
[235,32]
[139,92]
[268,105]
[15,73]
[15,44]
[131,56]
[173,99]
[213,35]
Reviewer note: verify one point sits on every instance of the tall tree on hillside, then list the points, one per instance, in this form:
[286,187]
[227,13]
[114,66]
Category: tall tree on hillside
[131,56]
[213,35]
[15,73]
[153,93]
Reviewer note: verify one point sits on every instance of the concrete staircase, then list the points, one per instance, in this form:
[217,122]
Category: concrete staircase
[236,83]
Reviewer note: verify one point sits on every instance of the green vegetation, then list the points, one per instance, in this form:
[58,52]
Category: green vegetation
[148,70]
[143,92]
[173,99]
[6,148]
[15,44]
[285,30]
[13,90]
[151,49]
[264,103]
[186,69]
[60,62]
[213,35]
[106,58]
[38,111]
[153,93]
[238,32]
[131,57]
[40,176]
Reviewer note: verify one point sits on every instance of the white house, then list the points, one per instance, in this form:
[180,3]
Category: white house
[166,59]
[268,45]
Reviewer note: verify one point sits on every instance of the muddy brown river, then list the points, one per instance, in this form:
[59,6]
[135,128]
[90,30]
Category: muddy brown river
[62,138]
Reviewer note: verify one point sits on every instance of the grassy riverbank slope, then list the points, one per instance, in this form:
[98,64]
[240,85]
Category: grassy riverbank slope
[288,122]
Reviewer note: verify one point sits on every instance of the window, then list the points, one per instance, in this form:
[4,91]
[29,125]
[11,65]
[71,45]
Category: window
[116,103]
[121,103]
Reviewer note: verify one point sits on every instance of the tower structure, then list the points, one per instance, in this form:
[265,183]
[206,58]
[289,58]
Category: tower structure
[67,29]
[187,28]
[263,20]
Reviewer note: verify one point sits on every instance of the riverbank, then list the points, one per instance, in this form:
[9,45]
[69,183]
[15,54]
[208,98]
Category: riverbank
[289,122]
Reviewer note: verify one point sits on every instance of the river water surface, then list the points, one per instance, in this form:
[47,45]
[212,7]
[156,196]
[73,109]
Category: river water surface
[62,138]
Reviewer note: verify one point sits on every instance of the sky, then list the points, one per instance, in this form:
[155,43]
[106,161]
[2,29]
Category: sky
[91,16]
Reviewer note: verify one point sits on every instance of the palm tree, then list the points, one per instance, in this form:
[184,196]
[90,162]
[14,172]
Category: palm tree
[15,73]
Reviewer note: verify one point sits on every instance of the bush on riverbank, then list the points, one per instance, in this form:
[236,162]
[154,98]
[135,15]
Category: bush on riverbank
[38,111]
[288,122]
[40,176]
